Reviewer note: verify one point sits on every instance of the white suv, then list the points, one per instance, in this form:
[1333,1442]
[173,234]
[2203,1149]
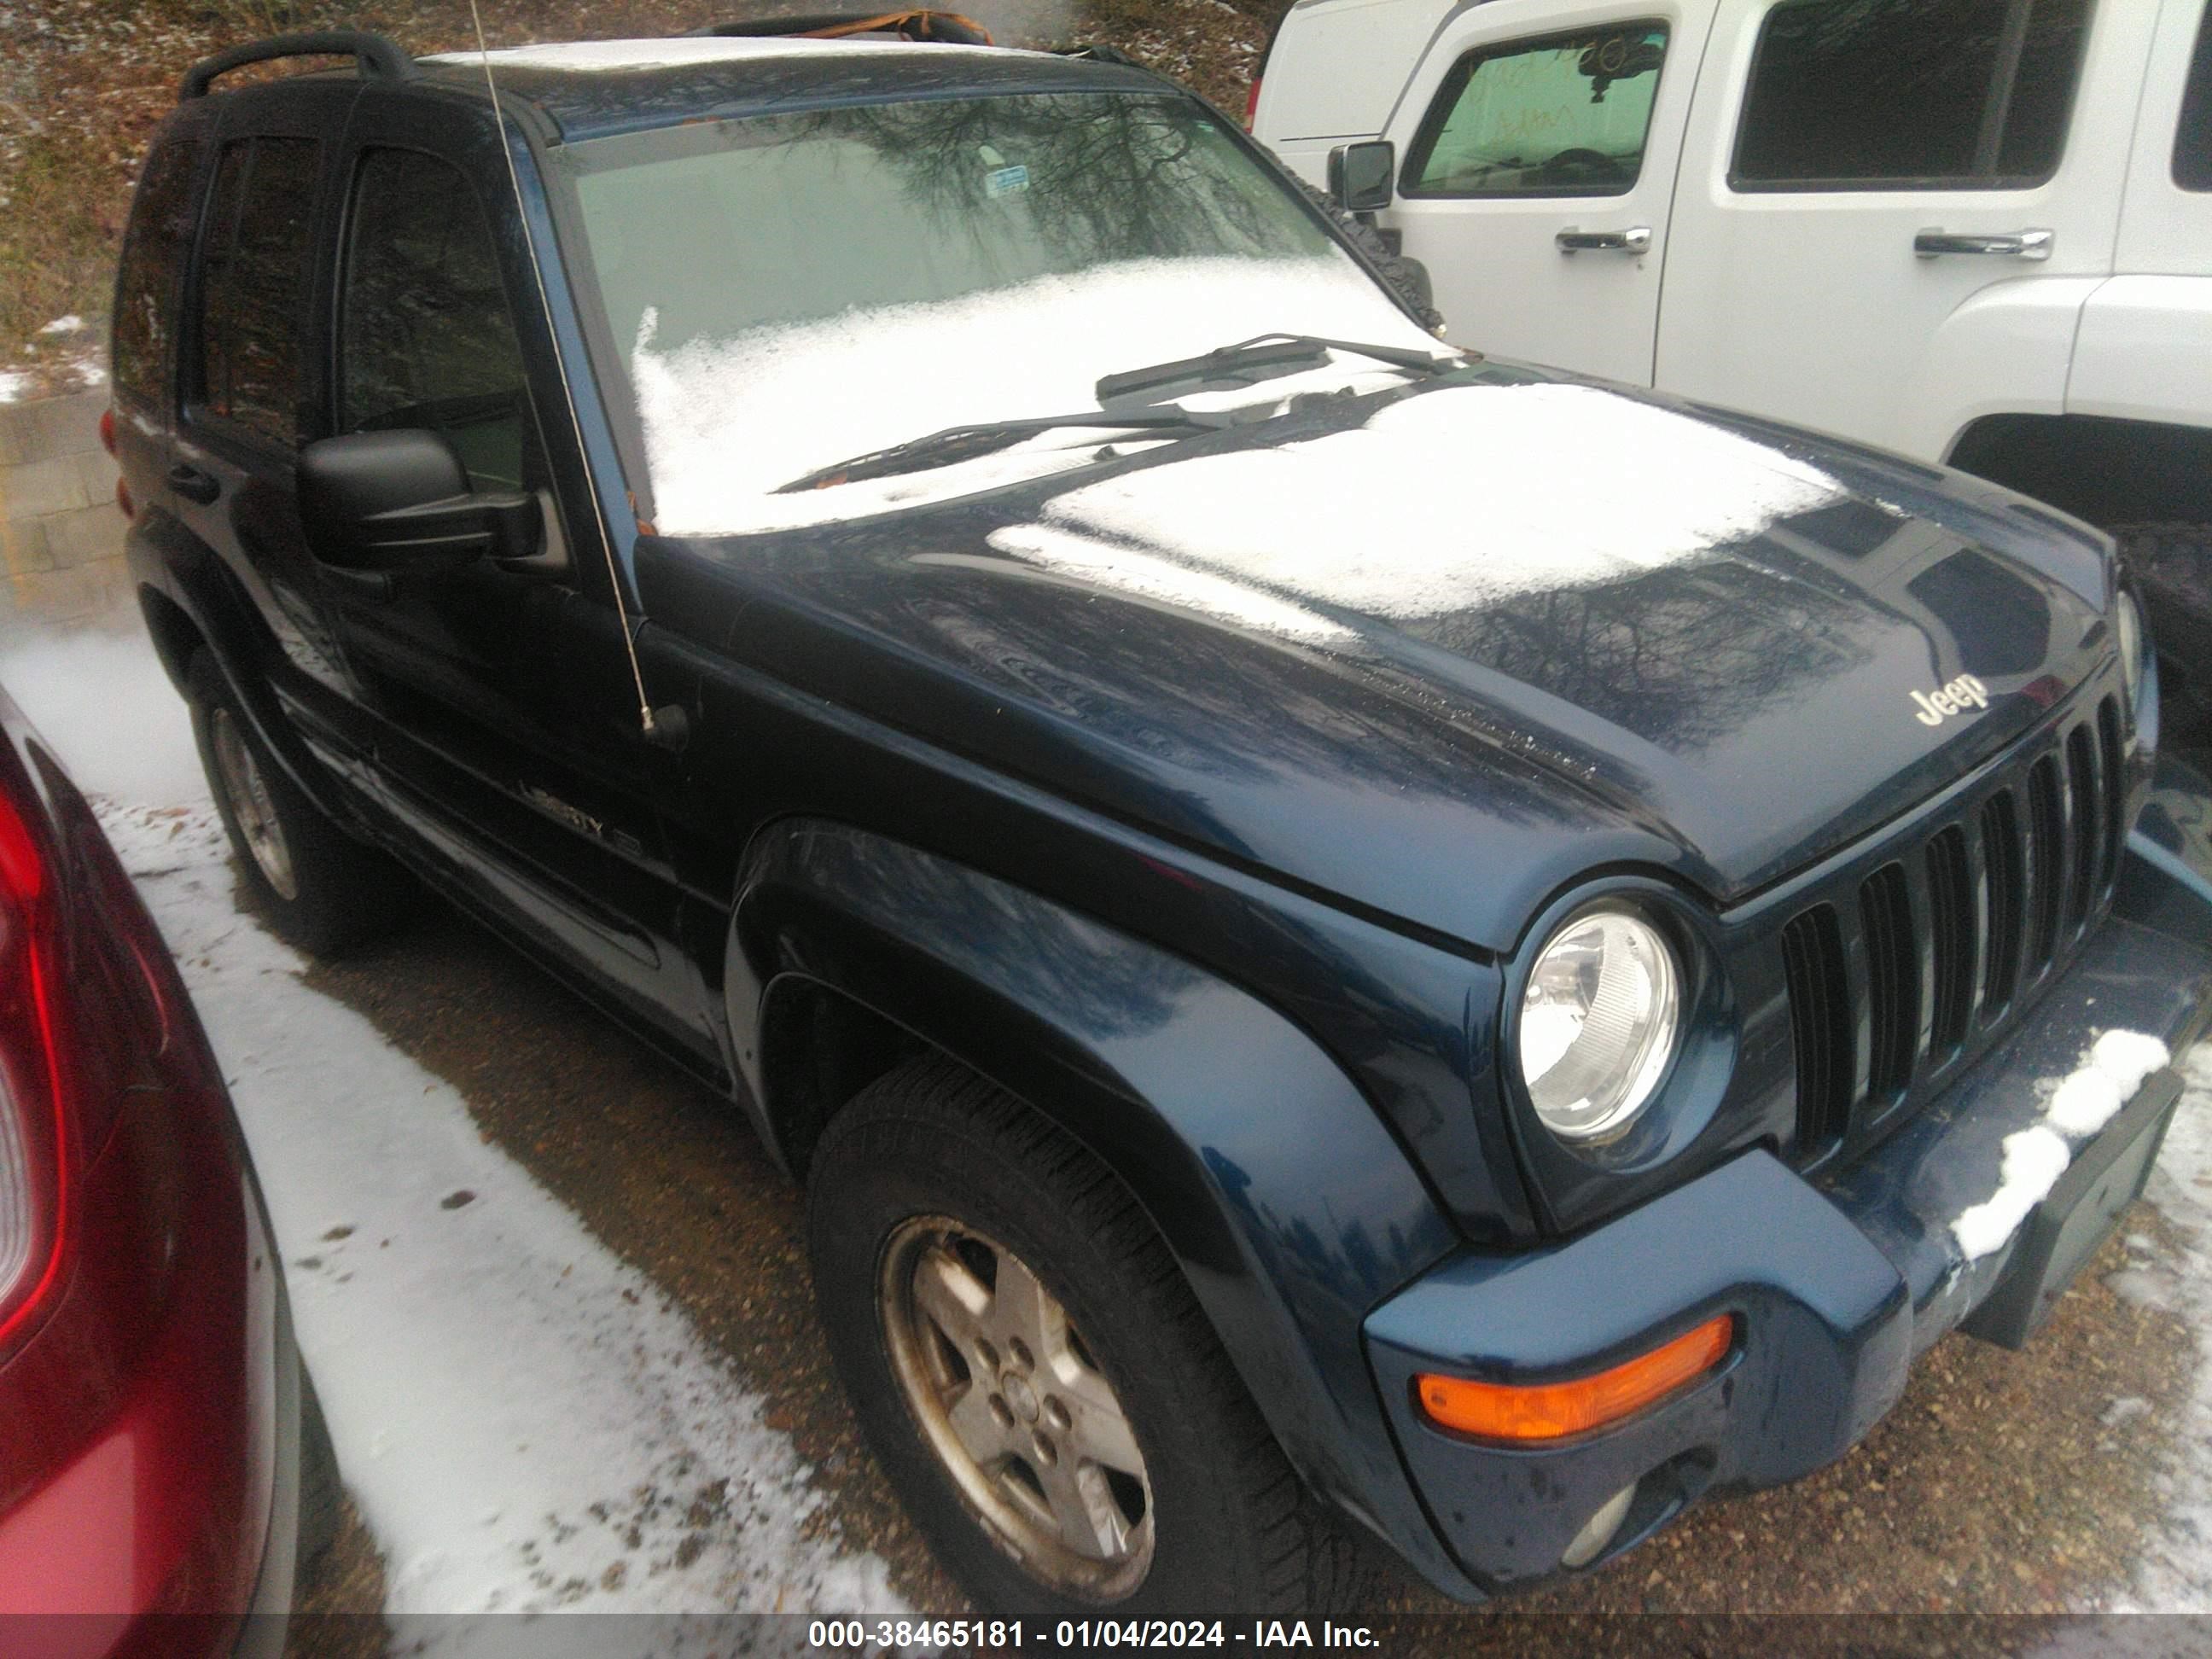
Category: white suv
[1975,231]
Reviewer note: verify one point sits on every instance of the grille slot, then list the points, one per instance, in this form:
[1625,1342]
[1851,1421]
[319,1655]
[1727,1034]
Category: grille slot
[1821,1023]
[2046,825]
[2007,892]
[2083,822]
[1951,926]
[1893,980]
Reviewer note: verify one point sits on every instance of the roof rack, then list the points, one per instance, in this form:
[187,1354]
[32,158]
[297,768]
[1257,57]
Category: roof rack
[916,23]
[380,58]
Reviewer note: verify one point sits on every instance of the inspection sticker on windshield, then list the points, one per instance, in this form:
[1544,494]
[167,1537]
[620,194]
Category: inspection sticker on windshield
[1006,182]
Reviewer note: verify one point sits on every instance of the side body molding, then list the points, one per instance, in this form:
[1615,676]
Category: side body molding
[1286,1201]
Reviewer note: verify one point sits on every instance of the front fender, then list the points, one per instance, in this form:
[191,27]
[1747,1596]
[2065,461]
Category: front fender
[1288,1204]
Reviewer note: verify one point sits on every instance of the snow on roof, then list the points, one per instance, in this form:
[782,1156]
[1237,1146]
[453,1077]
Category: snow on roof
[587,57]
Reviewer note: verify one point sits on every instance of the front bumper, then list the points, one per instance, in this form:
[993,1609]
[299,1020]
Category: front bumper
[1837,1283]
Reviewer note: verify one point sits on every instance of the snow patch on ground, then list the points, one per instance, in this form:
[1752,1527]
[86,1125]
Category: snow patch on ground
[1456,498]
[2081,1103]
[524,1420]
[727,421]
[15,384]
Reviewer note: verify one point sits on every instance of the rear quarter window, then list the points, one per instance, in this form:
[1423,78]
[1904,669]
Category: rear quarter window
[153,255]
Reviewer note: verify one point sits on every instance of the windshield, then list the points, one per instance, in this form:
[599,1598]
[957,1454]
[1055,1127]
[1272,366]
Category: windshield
[786,290]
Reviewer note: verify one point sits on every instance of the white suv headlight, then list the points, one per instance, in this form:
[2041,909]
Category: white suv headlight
[2128,623]
[1598,1022]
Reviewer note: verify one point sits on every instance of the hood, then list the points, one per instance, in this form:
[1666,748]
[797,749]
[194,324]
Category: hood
[1438,652]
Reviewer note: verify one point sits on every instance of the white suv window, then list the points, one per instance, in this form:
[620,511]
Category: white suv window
[1910,94]
[2192,144]
[1566,115]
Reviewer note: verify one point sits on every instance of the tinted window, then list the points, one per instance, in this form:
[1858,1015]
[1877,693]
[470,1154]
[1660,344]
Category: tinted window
[1859,94]
[2192,145]
[1563,116]
[429,339]
[160,229]
[254,271]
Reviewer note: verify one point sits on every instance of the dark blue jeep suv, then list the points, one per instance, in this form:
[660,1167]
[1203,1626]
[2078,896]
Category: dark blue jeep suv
[1340,932]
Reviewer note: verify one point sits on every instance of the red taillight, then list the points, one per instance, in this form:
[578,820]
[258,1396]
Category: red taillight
[107,429]
[1252,104]
[33,1140]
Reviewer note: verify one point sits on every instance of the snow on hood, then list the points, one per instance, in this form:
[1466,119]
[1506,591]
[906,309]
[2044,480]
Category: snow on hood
[727,421]
[1452,499]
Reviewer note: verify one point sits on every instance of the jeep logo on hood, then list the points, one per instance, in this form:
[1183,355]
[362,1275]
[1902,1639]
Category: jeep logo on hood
[1964,693]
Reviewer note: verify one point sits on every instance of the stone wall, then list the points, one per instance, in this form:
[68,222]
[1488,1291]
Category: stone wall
[60,531]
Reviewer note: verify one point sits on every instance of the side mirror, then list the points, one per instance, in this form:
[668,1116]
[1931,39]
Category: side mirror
[1362,176]
[396,502]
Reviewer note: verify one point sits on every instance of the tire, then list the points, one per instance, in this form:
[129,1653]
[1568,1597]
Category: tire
[317,886]
[2172,565]
[931,1173]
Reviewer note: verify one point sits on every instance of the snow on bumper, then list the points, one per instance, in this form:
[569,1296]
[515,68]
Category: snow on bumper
[1975,1213]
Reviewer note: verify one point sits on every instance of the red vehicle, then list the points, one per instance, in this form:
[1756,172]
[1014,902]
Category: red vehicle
[151,1396]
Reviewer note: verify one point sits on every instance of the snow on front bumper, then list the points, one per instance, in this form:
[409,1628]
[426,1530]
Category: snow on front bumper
[1975,1213]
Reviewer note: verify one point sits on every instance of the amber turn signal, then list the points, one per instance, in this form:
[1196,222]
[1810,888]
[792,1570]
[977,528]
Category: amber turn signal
[1551,1411]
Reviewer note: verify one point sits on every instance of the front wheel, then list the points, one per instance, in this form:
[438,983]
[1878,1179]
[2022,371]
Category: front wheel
[1034,1375]
[2171,563]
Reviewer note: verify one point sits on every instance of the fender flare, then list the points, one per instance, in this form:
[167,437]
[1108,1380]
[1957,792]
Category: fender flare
[194,583]
[1285,1200]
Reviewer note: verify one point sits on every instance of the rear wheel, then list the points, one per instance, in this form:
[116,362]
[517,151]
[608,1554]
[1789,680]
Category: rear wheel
[1034,1375]
[320,888]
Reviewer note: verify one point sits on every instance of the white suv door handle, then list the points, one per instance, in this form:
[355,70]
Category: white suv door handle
[2011,245]
[1635,239]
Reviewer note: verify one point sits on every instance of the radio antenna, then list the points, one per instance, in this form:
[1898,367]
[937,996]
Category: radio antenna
[647,725]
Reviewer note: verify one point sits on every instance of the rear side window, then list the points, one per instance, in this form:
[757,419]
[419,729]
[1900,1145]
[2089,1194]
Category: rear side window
[1910,94]
[1566,115]
[254,278]
[2192,145]
[429,339]
[153,253]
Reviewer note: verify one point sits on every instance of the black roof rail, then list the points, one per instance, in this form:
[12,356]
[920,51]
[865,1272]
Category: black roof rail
[380,58]
[915,22]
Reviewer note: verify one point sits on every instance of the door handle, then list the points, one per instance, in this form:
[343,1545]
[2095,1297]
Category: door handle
[1636,239]
[193,484]
[2006,245]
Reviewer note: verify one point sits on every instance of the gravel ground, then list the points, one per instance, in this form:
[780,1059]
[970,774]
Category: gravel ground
[2003,1484]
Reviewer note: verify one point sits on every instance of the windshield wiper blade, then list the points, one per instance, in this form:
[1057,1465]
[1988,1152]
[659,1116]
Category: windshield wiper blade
[1261,356]
[961,443]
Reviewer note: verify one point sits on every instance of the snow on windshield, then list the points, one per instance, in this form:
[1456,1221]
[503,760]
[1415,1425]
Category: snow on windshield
[727,421]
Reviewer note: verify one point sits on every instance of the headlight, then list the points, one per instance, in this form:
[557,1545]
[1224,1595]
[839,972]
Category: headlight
[2129,625]
[1598,1022]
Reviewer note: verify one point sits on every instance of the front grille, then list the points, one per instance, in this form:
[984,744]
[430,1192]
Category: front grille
[1890,985]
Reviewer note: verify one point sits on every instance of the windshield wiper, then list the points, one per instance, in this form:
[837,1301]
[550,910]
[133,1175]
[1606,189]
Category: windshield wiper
[961,443]
[1261,357]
